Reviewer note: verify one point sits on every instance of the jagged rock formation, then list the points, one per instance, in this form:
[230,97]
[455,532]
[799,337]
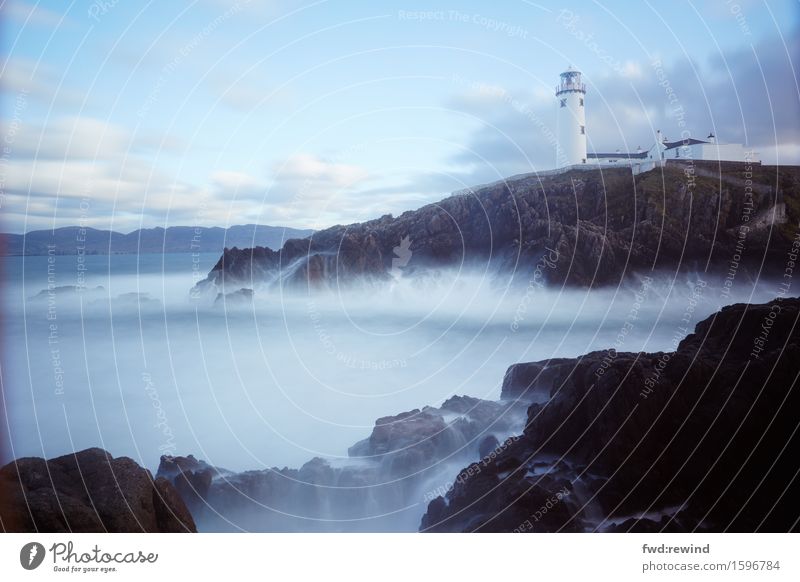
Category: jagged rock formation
[601,226]
[704,438]
[388,477]
[88,491]
[191,478]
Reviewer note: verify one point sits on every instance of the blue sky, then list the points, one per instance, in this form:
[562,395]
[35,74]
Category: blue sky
[127,114]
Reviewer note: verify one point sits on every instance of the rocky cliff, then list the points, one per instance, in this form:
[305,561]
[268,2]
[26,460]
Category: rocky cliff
[700,439]
[599,227]
[88,491]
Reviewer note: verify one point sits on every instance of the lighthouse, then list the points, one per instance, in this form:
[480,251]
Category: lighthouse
[571,93]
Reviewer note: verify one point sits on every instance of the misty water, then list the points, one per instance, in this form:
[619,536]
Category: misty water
[134,364]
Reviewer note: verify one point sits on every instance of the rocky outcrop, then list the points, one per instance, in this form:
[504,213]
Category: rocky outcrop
[412,441]
[387,478]
[595,227]
[191,478]
[243,296]
[88,491]
[703,438]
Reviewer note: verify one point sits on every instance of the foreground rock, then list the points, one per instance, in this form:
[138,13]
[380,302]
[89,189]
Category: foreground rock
[89,491]
[701,439]
[388,478]
[584,227]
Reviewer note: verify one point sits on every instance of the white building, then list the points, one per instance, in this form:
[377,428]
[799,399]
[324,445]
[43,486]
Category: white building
[571,148]
[571,93]
[696,149]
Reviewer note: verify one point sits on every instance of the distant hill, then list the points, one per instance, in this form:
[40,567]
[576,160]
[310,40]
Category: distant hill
[175,239]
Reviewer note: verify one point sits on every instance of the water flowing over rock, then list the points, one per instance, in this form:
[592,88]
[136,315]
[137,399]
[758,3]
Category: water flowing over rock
[383,487]
[88,491]
[595,228]
[703,438]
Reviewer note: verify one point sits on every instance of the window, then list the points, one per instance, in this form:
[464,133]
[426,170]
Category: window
[581,103]
[563,103]
[583,130]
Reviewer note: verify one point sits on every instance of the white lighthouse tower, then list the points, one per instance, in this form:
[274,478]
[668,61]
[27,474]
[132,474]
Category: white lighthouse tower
[571,93]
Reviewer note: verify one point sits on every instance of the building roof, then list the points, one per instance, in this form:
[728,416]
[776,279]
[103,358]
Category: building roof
[683,142]
[629,155]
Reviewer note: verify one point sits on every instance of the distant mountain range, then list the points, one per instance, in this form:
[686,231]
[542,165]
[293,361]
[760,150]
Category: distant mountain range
[175,239]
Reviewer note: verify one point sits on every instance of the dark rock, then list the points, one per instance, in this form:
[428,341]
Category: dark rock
[417,439]
[644,525]
[436,512]
[193,487]
[710,428]
[487,445]
[172,516]
[89,491]
[317,471]
[534,381]
[191,478]
[170,466]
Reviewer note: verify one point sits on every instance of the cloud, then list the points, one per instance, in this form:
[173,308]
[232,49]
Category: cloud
[81,169]
[517,134]
[303,190]
[480,96]
[244,94]
[38,82]
[306,190]
[238,185]
[72,138]
[31,15]
[113,194]
[307,168]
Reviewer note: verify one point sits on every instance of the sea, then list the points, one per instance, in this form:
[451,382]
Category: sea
[118,352]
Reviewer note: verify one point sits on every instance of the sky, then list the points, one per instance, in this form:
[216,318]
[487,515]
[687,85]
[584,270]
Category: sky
[122,115]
